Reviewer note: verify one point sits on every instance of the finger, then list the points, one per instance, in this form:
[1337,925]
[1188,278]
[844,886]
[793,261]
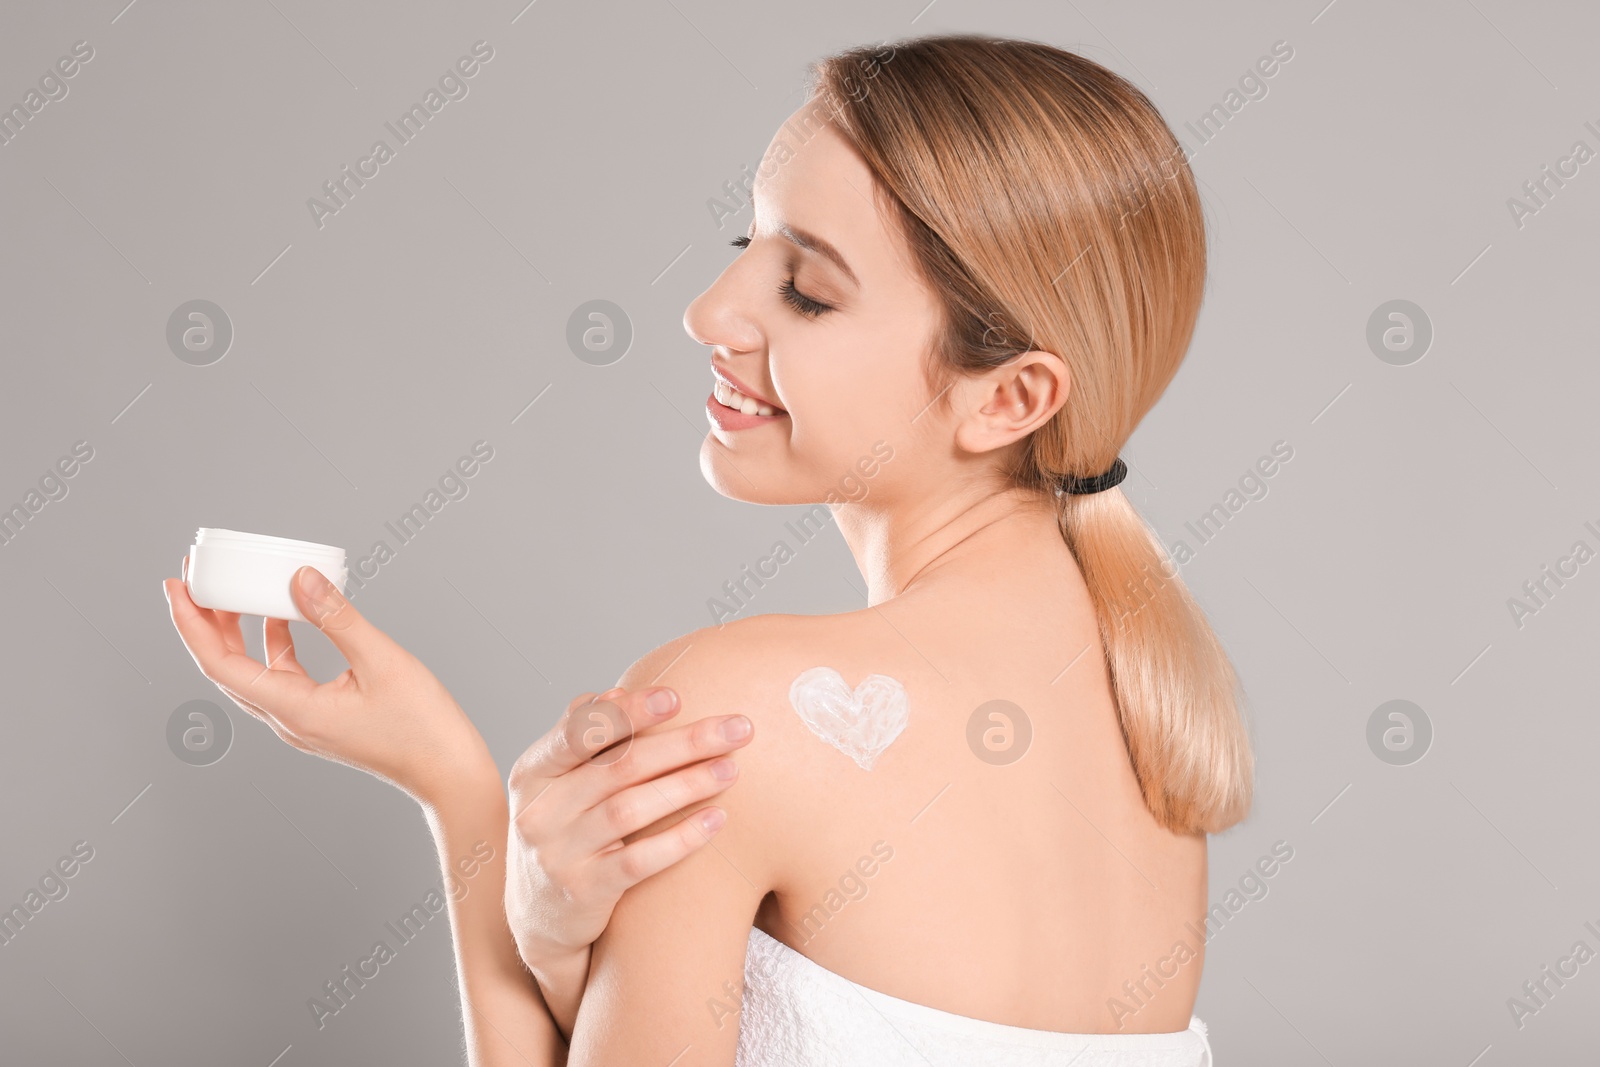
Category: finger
[655,754]
[543,772]
[249,707]
[278,644]
[606,727]
[626,867]
[563,799]
[587,727]
[202,634]
[366,647]
[564,747]
[226,622]
[228,627]
[633,809]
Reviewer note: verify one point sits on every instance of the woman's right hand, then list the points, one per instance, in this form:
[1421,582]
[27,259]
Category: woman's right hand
[387,714]
[584,786]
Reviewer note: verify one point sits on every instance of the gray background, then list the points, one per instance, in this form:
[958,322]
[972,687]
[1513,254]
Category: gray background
[371,353]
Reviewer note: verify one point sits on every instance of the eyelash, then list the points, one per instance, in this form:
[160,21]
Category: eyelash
[802,303]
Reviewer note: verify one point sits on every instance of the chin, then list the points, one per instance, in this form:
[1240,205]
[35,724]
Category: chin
[720,474]
[718,469]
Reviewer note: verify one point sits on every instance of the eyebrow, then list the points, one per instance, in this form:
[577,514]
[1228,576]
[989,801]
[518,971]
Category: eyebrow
[812,243]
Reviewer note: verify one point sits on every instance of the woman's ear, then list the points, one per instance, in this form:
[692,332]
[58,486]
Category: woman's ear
[1009,402]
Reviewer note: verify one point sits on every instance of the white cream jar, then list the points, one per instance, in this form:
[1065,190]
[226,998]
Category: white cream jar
[250,573]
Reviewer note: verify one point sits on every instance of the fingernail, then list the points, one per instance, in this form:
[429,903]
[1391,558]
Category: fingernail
[319,591]
[712,819]
[724,769]
[736,728]
[660,702]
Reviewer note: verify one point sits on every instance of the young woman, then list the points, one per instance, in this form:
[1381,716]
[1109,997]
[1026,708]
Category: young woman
[971,824]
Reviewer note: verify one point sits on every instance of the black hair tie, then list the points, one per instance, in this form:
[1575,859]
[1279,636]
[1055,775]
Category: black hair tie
[1078,486]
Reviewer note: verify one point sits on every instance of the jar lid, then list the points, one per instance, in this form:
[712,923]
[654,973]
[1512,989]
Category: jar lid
[263,543]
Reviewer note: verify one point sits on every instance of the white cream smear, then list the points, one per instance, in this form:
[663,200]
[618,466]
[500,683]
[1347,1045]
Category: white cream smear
[862,722]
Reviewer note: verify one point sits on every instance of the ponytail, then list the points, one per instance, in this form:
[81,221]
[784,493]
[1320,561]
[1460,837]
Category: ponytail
[1175,689]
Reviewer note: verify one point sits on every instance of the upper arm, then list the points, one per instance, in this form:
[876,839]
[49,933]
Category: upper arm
[667,975]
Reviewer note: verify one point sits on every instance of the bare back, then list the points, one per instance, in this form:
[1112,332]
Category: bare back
[1016,879]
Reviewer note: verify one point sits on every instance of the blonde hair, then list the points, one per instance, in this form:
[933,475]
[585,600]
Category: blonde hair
[1050,207]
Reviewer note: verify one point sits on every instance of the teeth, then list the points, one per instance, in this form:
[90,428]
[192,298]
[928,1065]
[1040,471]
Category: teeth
[731,397]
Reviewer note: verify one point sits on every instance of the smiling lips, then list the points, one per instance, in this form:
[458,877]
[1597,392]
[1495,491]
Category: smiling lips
[735,394]
[733,406]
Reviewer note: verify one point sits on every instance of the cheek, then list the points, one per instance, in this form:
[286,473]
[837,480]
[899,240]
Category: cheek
[836,418]
[849,387]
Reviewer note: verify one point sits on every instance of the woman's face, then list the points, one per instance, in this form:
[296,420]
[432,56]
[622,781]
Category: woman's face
[835,344]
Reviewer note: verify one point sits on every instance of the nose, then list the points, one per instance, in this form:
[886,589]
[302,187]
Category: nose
[717,317]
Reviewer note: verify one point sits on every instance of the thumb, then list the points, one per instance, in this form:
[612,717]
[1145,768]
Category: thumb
[320,601]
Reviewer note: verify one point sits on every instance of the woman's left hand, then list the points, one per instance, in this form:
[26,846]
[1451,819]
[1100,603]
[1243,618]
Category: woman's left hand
[387,714]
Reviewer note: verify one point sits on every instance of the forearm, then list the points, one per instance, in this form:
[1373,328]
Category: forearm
[505,1017]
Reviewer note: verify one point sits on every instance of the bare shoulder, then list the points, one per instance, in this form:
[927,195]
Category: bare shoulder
[741,667]
[746,667]
[754,646]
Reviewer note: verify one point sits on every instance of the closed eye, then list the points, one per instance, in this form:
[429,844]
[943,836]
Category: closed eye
[805,305]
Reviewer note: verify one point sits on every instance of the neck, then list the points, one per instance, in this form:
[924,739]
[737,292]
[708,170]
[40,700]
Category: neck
[901,545]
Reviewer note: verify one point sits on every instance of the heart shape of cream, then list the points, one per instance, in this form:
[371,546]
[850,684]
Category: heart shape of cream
[862,722]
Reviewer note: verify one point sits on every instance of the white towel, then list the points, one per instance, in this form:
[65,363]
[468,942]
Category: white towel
[797,1013]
